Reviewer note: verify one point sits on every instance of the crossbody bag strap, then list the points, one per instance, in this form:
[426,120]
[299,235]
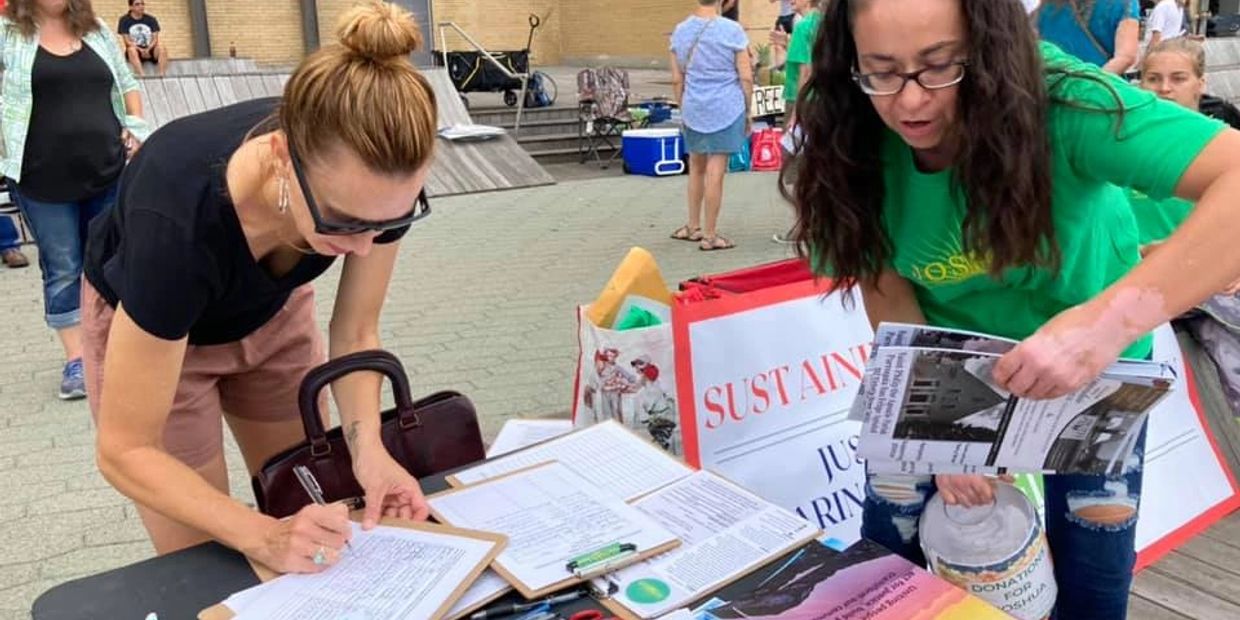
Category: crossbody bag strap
[1083,22]
[696,40]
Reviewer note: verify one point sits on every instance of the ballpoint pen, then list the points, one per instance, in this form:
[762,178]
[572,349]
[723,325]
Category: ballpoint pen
[517,608]
[311,485]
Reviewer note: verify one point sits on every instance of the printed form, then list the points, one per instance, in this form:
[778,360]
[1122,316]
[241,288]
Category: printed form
[550,515]
[391,572]
[725,532]
[606,454]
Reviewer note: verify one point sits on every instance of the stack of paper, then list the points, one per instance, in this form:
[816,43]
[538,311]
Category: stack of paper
[598,504]
[550,515]
[402,573]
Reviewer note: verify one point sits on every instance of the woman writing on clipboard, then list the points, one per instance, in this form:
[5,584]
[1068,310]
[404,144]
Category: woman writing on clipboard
[197,307]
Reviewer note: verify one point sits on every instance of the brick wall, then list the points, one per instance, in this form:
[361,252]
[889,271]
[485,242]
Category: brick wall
[173,16]
[623,32]
[268,31]
[636,32]
[504,25]
[329,12]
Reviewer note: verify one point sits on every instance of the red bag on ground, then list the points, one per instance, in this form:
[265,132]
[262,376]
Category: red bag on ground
[766,152]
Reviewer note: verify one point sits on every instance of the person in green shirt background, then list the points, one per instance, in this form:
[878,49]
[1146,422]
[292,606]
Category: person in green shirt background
[961,174]
[800,43]
[797,72]
[1175,70]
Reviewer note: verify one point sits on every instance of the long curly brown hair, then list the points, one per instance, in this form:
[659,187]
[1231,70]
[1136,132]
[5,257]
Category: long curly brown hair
[80,13]
[1003,157]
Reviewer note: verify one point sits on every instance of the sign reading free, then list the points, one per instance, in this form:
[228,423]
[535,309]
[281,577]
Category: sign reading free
[767,101]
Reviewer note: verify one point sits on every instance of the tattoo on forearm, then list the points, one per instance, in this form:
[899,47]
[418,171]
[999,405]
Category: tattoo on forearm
[350,436]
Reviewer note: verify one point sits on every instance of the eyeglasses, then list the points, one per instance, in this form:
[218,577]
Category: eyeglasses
[933,77]
[352,226]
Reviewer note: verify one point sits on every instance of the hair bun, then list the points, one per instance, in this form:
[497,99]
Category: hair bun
[379,31]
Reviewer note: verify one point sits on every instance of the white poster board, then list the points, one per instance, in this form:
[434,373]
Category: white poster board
[771,382]
[1185,486]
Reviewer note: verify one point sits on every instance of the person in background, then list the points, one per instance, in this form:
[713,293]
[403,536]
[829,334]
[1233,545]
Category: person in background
[787,15]
[10,244]
[797,66]
[198,306]
[10,240]
[1166,22]
[72,115]
[1174,69]
[140,30]
[798,69]
[958,173]
[782,30]
[713,85]
[731,9]
[1103,32]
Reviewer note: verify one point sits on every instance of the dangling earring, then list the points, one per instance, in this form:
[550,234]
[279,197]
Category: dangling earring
[283,202]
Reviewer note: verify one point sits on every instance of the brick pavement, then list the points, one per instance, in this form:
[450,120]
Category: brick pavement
[482,301]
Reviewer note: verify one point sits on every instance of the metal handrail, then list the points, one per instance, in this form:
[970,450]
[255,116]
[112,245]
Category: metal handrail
[524,77]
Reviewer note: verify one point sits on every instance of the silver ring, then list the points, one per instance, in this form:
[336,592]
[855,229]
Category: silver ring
[320,556]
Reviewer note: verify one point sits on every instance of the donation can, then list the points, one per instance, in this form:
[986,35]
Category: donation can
[996,552]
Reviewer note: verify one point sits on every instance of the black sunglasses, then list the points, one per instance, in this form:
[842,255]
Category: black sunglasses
[421,209]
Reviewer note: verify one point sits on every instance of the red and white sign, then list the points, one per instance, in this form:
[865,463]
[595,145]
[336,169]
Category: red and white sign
[767,368]
[1186,486]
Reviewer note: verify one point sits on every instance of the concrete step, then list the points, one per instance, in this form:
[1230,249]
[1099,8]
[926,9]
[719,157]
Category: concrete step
[544,127]
[537,144]
[506,117]
[571,155]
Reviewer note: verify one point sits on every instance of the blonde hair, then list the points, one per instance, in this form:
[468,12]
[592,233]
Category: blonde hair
[363,93]
[1182,45]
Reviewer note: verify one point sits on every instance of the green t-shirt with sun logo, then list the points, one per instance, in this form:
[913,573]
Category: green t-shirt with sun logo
[1094,155]
[1157,219]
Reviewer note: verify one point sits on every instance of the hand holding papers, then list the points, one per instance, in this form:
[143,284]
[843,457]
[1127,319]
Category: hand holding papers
[931,406]
[551,517]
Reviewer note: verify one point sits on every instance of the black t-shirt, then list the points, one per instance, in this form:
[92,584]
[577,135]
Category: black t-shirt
[173,252]
[73,144]
[1221,109]
[733,13]
[141,31]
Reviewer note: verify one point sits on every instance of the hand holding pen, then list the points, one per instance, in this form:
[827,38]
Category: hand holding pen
[315,491]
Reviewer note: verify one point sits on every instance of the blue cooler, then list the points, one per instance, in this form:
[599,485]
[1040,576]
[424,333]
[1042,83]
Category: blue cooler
[653,152]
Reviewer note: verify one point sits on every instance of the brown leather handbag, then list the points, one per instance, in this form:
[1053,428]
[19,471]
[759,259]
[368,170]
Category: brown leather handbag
[435,434]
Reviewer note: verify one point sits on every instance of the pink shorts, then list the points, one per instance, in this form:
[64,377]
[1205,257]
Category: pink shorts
[255,378]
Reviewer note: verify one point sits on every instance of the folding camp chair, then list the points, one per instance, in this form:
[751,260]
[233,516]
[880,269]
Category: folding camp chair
[603,113]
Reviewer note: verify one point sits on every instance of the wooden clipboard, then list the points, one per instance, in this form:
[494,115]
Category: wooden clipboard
[466,612]
[570,580]
[456,483]
[220,611]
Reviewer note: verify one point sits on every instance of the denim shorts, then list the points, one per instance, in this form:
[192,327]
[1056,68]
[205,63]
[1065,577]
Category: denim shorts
[60,229]
[730,139]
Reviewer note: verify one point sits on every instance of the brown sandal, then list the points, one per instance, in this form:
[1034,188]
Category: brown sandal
[717,242]
[684,233]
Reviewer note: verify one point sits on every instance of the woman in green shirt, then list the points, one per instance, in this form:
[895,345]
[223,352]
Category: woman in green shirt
[963,175]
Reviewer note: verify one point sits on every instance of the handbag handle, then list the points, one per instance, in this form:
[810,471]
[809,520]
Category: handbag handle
[318,378]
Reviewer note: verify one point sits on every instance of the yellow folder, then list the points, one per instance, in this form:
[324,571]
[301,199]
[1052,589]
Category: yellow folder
[638,274]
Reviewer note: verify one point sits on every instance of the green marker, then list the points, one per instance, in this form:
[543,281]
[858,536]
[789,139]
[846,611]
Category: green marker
[602,555]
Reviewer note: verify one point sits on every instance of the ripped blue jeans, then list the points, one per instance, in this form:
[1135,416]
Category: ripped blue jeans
[1091,526]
